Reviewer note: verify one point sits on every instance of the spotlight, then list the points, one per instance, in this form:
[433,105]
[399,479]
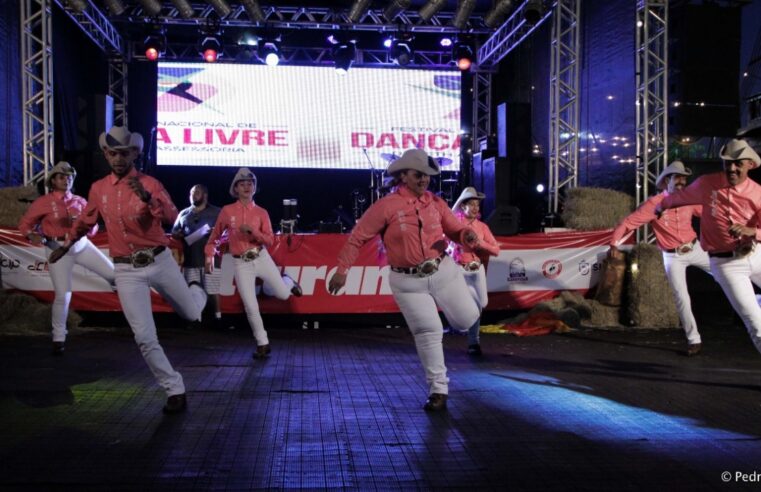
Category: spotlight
[401,51]
[78,5]
[151,8]
[155,43]
[430,8]
[343,55]
[532,12]
[540,188]
[463,56]
[210,48]
[248,39]
[115,7]
[445,42]
[461,16]
[395,7]
[497,14]
[358,10]
[253,9]
[270,53]
[183,8]
[388,42]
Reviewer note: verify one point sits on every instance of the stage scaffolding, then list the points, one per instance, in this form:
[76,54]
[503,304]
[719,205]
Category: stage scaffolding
[651,104]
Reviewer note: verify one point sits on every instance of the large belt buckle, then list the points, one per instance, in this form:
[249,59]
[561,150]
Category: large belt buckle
[744,249]
[428,267]
[251,254]
[473,266]
[685,248]
[142,258]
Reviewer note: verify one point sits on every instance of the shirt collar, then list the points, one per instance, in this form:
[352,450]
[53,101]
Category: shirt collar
[114,179]
[409,195]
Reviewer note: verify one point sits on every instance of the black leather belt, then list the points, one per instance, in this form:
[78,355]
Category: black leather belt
[722,254]
[128,259]
[56,239]
[680,249]
[432,264]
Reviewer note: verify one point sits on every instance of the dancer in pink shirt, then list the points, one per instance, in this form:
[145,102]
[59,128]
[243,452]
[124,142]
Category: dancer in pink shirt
[134,207]
[248,229]
[729,228]
[677,240]
[47,222]
[467,209]
[413,224]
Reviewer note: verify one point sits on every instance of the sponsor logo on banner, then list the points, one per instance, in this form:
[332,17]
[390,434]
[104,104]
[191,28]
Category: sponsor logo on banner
[517,271]
[9,263]
[585,267]
[551,269]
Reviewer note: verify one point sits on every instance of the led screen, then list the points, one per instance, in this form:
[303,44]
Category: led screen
[303,117]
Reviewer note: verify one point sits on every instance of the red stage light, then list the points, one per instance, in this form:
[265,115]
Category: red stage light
[152,54]
[210,55]
[464,64]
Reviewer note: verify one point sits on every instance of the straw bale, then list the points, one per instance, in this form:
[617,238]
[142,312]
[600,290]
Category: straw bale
[651,302]
[590,209]
[13,203]
[602,316]
[576,301]
[22,314]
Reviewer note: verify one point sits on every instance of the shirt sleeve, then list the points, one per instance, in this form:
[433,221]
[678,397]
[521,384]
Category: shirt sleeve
[87,219]
[214,238]
[489,243]
[33,216]
[177,227]
[160,204]
[691,195]
[643,215]
[369,225]
[265,235]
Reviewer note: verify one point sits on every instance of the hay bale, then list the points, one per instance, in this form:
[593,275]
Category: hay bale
[22,314]
[590,209]
[602,316]
[576,301]
[14,202]
[651,302]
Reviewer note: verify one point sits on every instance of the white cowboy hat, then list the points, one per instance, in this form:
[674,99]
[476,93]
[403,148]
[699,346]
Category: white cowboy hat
[467,194]
[676,167]
[62,167]
[736,150]
[119,138]
[242,175]
[417,160]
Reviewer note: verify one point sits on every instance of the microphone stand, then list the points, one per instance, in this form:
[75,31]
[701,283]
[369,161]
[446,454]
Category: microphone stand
[373,188]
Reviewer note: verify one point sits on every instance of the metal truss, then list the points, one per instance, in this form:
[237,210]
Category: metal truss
[314,56]
[482,122]
[117,88]
[651,105]
[37,88]
[509,35]
[280,17]
[95,25]
[564,101]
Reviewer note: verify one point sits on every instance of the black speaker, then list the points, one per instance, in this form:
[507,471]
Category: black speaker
[504,221]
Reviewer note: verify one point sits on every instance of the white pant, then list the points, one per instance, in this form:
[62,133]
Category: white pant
[477,286]
[417,299]
[736,277]
[83,253]
[676,266]
[134,288]
[246,273]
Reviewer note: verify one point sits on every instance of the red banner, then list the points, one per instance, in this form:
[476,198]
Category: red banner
[529,269]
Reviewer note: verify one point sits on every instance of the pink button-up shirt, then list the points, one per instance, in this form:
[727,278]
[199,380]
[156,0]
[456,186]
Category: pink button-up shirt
[131,224]
[412,229]
[231,217]
[723,205]
[671,230]
[464,254]
[53,214]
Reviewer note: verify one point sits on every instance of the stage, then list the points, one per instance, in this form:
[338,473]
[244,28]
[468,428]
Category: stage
[340,408]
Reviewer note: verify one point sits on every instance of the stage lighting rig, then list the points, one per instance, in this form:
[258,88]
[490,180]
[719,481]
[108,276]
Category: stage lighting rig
[395,7]
[428,10]
[155,43]
[401,51]
[183,8]
[344,52]
[461,16]
[270,52]
[210,48]
[532,11]
[151,8]
[114,7]
[463,56]
[253,9]
[497,14]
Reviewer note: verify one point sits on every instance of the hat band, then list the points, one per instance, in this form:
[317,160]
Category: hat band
[113,142]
